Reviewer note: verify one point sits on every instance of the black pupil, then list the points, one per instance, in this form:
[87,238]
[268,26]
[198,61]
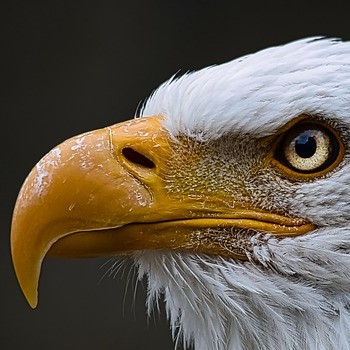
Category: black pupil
[305,145]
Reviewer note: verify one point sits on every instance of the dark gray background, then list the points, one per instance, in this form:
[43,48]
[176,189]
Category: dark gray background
[76,66]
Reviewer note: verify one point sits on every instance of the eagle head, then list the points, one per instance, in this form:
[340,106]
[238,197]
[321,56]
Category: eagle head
[230,192]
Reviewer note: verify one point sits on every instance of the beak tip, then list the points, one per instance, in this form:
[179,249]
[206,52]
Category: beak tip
[28,280]
[33,306]
[31,294]
[33,301]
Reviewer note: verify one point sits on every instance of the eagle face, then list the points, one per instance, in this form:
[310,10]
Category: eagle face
[230,193]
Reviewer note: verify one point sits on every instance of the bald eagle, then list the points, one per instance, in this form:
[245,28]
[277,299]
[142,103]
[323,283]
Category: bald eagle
[230,191]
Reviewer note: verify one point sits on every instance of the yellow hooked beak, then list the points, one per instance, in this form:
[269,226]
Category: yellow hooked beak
[105,193]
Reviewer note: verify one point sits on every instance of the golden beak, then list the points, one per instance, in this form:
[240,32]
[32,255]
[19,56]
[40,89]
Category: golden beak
[104,193]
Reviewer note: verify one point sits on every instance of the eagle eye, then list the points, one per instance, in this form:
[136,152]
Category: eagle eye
[308,149]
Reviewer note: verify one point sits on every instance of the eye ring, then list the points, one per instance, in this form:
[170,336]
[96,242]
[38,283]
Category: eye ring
[307,150]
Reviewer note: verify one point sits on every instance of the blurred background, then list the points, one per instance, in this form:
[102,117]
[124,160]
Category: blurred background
[73,66]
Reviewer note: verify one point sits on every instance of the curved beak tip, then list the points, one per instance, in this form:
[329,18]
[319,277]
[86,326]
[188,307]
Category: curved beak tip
[32,299]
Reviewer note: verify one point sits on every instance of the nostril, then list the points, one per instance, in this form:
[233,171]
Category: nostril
[137,158]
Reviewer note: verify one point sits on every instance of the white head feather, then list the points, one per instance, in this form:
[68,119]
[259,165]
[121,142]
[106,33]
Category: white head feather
[257,93]
[298,295]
